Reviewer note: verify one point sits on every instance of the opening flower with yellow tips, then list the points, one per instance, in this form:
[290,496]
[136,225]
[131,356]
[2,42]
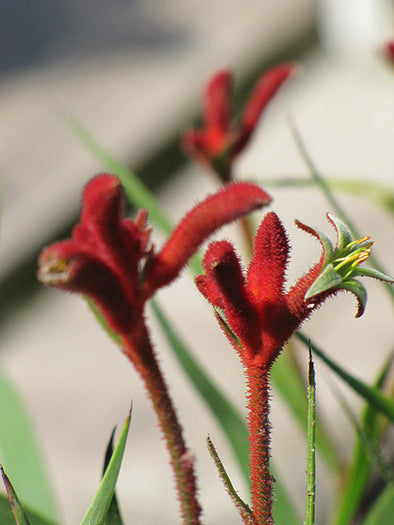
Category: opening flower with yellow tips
[342,264]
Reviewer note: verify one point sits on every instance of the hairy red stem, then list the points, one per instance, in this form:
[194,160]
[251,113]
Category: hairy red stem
[259,437]
[139,350]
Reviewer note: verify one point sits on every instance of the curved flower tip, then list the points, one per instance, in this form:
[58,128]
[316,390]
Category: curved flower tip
[340,265]
[232,202]
[223,137]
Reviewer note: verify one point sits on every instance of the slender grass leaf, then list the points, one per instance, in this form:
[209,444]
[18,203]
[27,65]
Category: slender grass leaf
[311,448]
[228,417]
[383,511]
[329,195]
[113,515]
[370,394]
[380,194]
[98,510]
[7,518]
[16,507]
[21,454]
[287,379]
[136,192]
[242,508]
[360,470]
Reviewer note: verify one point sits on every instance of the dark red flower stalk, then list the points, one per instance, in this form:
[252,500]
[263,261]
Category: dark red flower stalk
[110,260]
[221,140]
[258,316]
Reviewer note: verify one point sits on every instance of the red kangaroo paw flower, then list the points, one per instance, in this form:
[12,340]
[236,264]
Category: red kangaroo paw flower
[274,313]
[109,258]
[222,139]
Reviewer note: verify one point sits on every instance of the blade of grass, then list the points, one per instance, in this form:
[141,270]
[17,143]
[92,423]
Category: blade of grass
[311,447]
[287,379]
[352,492]
[370,394]
[113,515]
[243,509]
[136,191]
[137,194]
[337,208]
[7,518]
[383,511]
[380,194]
[228,417]
[16,507]
[21,454]
[98,510]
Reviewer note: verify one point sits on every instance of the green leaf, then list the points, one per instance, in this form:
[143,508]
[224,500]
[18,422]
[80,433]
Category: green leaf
[7,518]
[21,454]
[228,417]
[16,507]
[311,448]
[113,515]
[98,510]
[371,394]
[383,511]
[136,192]
[358,474]
[243,509]
[380,194]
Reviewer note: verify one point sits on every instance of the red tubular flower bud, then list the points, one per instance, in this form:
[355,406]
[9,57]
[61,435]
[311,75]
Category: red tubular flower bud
[266,274]
[234,201]
[217,110]
[265,90]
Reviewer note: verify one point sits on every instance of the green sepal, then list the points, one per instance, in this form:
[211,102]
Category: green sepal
[361,271]
[328,279]
[359,291]
[345,235]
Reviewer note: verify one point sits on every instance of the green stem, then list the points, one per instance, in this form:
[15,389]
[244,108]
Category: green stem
[139,350]
[262,481]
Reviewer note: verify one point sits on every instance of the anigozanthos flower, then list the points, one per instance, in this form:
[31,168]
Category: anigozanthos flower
[258,316]
[222,137]
[111,260]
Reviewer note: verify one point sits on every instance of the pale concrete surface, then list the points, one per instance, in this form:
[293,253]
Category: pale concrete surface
[78,385]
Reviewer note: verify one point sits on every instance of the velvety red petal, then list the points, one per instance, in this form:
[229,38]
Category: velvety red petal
[267,86]
[228,204]
[224,287]
[217,102]
[266,274]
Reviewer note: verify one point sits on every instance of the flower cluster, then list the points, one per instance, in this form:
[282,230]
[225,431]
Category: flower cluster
[221,140]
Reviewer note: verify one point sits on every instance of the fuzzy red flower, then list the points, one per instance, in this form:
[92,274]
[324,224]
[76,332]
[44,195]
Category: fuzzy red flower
[256,312]
[110,259]
[388,51]
[221,139]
